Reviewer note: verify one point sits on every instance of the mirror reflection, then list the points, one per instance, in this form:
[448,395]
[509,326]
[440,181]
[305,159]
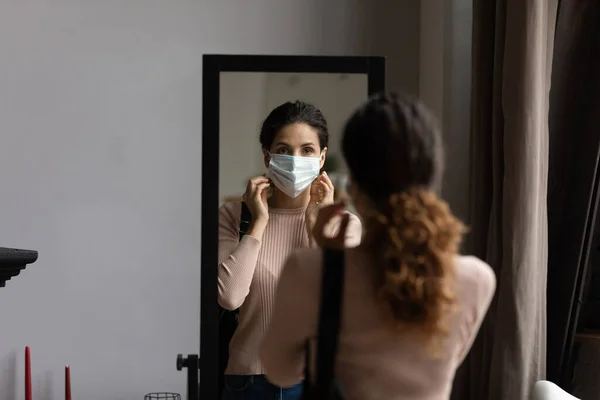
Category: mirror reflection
[279,162]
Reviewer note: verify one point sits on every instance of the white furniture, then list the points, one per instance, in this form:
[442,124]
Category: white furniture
[544,390]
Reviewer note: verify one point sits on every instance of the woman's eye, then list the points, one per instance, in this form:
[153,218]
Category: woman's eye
[307,151]
[283,151]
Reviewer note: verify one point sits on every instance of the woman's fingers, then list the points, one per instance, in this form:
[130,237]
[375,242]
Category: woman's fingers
[339,241]
[329,211]
[320,188]
[327,181]
[258,180]
[259,188]
[255,196]
[318,192]
[341,235]
[254,183]
[325,215]
[315,188]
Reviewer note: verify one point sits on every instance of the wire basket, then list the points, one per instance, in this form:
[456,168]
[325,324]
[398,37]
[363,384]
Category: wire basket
[162,396]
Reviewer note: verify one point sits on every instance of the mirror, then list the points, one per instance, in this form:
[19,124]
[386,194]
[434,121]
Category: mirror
[246,98]
[239,93]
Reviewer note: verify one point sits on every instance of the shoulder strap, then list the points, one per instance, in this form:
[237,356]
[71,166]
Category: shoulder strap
[245,220]
[332,289]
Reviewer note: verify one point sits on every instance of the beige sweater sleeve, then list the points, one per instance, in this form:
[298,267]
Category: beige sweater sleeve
[237,259]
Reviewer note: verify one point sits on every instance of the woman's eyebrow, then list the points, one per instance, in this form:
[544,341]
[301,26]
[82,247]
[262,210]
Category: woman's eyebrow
[288,145]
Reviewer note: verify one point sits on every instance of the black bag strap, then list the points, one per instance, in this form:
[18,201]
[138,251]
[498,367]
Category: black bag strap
[245,220]
[332,289]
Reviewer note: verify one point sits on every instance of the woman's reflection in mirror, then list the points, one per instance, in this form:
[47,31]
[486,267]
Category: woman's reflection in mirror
[283,204]
[412,305]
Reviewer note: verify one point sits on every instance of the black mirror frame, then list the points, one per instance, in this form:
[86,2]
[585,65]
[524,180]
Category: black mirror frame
[213,65]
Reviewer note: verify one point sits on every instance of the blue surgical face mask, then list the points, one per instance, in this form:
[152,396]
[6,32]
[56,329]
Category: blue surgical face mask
[293,174]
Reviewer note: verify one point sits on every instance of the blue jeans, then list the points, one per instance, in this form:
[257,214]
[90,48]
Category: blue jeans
[256,387]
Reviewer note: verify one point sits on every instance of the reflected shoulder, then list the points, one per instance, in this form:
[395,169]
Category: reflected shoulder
[231,206]
[230,213]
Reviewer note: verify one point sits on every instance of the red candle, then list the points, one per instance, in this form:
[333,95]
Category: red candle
[67,383]
[27,373]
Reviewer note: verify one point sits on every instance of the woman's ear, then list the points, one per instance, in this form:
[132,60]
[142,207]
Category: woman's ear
[267,157]
[323,157]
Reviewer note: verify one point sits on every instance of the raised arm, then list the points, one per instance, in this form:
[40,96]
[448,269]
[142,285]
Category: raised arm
[353,233]
[352,236]
[237,259]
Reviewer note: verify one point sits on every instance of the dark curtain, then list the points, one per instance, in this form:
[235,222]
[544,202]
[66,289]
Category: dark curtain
[573,176]
[512,54]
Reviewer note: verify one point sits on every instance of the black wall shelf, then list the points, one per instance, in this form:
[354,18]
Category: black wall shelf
[13,261]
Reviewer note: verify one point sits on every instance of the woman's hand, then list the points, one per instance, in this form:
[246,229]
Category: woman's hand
[321,194]
[326,214]
[255,198]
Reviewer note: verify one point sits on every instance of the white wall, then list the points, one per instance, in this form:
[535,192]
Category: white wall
[243,101]
[100,146]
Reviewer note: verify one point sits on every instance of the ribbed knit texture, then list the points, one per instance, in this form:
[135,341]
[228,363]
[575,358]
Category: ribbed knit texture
[373,361]
[249,271]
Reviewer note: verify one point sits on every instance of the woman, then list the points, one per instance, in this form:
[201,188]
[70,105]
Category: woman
[283,206]
[412,305]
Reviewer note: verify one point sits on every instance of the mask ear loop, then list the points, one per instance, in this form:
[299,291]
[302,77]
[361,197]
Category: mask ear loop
[266,175]
[318,179]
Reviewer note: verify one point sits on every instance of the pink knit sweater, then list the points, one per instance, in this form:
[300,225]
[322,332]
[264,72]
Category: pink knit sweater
[373,363]
[249,272]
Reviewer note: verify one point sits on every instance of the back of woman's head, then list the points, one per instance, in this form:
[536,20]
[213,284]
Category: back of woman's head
[393,150]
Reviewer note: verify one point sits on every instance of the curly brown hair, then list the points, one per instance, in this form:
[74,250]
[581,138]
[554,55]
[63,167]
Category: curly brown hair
[394,152]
